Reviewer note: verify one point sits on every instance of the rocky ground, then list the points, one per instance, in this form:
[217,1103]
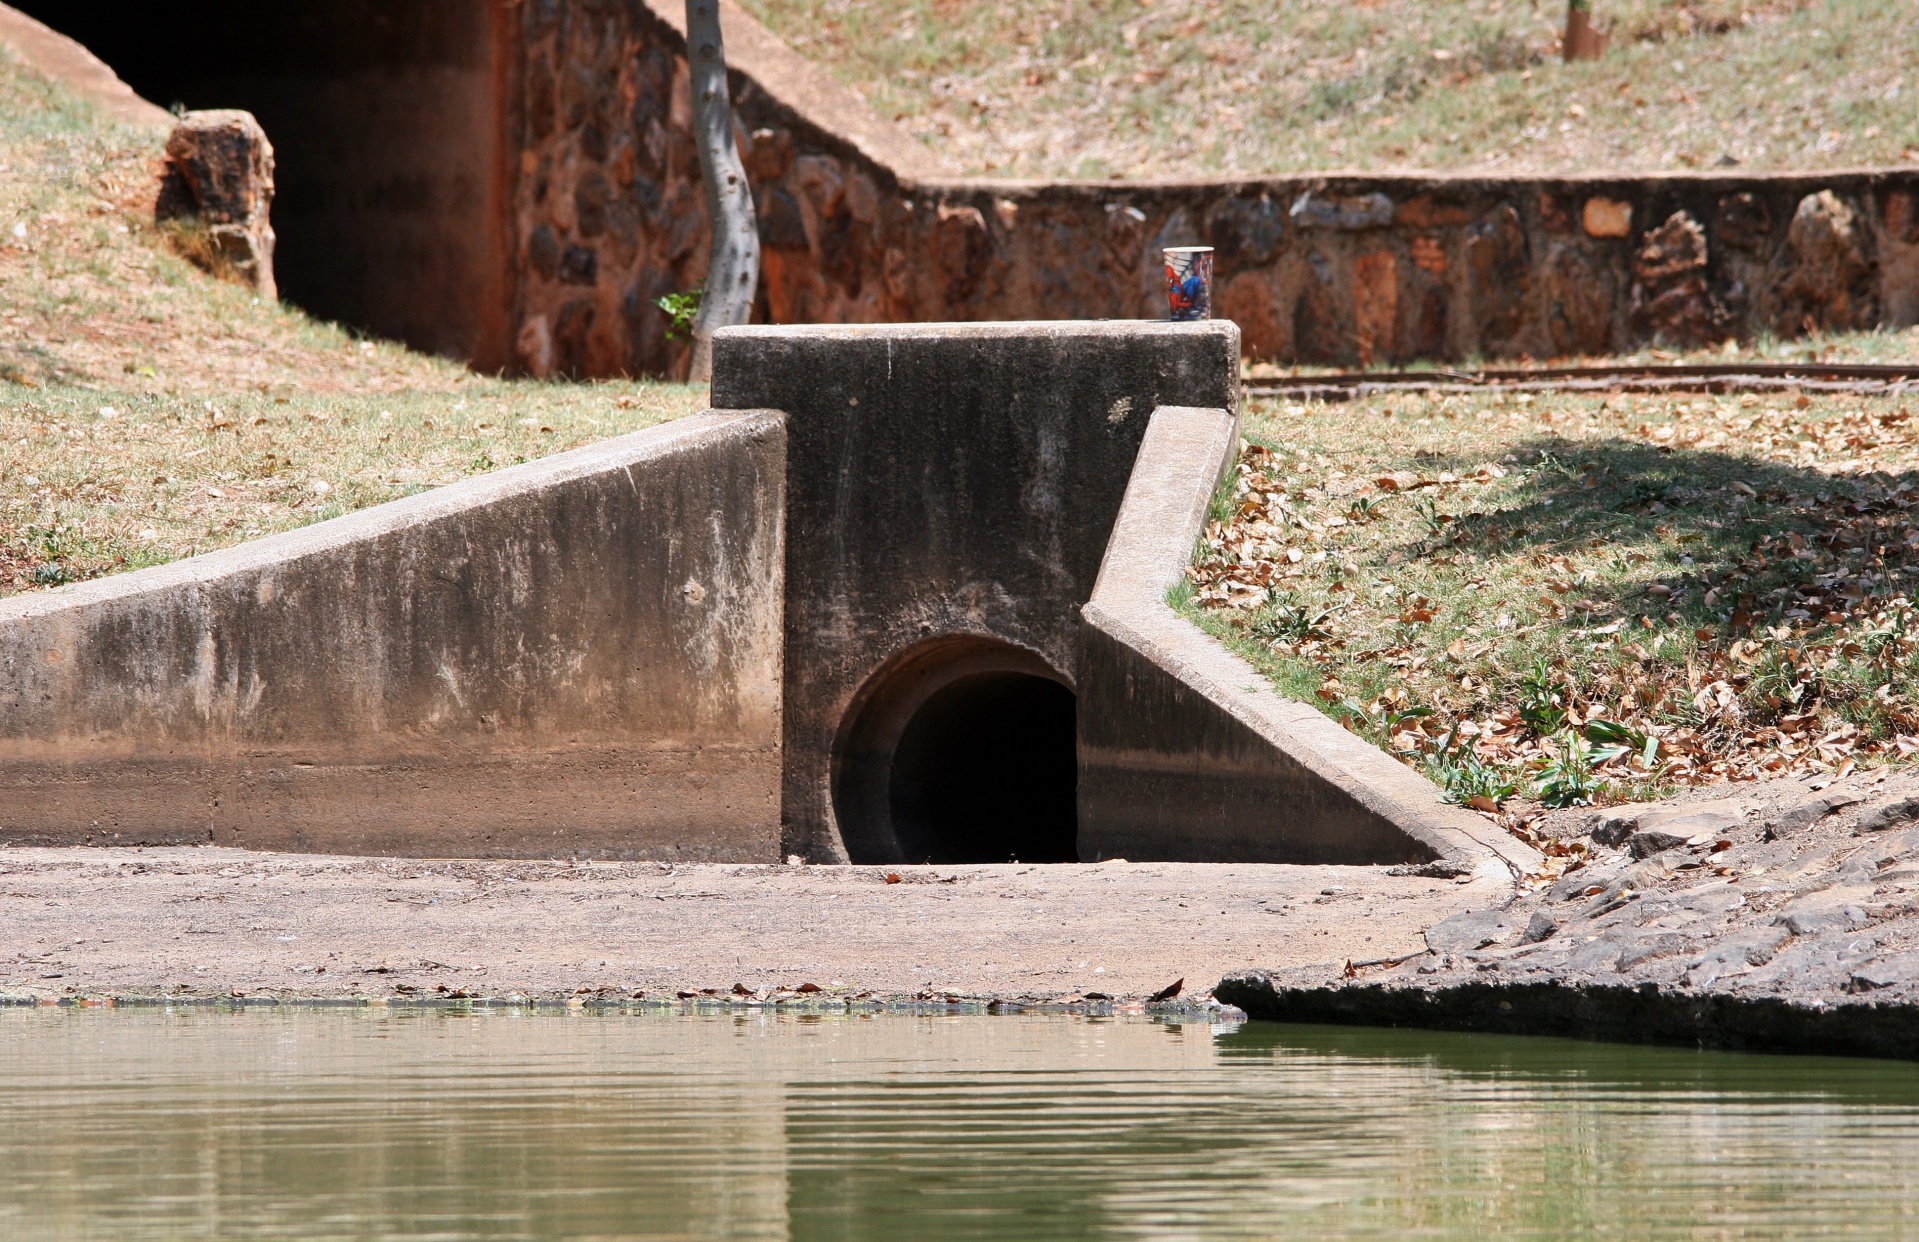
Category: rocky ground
[79,923]
[1783,916]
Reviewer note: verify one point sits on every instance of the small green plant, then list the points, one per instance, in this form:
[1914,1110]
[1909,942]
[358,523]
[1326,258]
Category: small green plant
[1567,778]
[681,309]
[1463,777]
[1294,623]
[1541,699]
[1615,741]
[51,573]
[1366,508]
[1429,515]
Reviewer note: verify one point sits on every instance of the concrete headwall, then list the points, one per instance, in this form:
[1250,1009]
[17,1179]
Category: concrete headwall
[579,655]
[1185,751]
[946,482]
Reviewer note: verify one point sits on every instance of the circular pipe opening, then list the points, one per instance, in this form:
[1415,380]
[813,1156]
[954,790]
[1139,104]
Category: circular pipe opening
[962,751]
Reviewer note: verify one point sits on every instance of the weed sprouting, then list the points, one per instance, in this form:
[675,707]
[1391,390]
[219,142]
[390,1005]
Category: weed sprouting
[1567,778]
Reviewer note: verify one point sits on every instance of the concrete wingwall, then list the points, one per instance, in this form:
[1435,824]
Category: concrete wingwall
[1186,753]
[901,597]
[576,656]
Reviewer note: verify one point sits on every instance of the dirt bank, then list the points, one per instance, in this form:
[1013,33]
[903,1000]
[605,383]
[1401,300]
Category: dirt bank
[210,922]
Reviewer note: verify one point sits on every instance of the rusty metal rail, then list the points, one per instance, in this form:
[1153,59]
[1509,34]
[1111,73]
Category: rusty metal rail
[1862,380]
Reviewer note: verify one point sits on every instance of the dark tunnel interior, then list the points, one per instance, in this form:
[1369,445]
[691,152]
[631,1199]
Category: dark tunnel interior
[986,771]
[385,120]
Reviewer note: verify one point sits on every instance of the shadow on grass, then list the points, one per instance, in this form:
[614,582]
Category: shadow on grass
[1763,538]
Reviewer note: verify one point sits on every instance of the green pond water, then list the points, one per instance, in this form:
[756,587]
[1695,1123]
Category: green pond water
[349,1124]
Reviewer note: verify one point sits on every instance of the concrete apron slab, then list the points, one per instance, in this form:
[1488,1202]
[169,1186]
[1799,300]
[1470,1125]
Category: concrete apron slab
[207,922]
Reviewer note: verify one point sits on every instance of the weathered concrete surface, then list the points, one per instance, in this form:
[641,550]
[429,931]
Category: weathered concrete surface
[946,480]
[1185,750]
[1781,919]
[579,655]
[204,922]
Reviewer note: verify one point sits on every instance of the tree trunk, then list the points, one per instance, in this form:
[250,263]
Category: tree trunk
[733,271]
[1583,40]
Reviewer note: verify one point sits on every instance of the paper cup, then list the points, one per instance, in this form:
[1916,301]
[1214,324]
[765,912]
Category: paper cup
[1189,282]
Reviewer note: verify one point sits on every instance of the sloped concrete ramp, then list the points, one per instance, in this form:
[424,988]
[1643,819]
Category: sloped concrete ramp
[578,655]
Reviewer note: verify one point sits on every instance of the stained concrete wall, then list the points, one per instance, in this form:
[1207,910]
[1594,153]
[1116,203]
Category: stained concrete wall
[576,656]
[1185,751]
[946,480]
[396,124]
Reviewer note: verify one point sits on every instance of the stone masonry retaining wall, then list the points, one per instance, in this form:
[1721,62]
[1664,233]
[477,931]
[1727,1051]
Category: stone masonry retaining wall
[1340,269]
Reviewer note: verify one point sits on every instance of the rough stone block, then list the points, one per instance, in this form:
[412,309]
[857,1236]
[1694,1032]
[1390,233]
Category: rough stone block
[218,183]
[1647,842]
[1893,812]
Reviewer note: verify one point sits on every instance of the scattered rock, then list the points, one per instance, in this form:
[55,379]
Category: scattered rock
[1587,881]
[1670,300]
[1648,947]
[1613,827]
[1886,973]
[1606,217]
[1888,813]
[1829,286]
[1835,910]
[217,189]
[1800,816]
[1647,842]
[1539,928]
[1325,211]
[1473,930]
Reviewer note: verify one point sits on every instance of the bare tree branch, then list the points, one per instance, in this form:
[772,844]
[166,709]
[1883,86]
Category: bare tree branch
[733,271]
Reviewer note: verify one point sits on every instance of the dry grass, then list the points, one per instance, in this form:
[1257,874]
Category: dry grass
[149,412]
[1577,598]
[1883,346]
[1184,88]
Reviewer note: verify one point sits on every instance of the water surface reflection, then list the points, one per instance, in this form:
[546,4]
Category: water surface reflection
[321,1124]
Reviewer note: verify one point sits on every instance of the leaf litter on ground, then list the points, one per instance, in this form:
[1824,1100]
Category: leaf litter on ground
[1576,600]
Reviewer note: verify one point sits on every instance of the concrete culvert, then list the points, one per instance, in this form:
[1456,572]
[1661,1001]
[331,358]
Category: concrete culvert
[963,752]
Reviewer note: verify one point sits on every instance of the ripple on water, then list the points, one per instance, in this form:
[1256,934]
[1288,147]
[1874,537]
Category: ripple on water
[322,1124]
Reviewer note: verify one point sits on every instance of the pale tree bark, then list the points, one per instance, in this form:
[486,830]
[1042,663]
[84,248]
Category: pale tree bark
[733,271]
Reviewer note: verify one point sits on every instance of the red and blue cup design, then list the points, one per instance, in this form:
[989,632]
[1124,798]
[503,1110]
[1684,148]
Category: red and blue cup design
[1189,282]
